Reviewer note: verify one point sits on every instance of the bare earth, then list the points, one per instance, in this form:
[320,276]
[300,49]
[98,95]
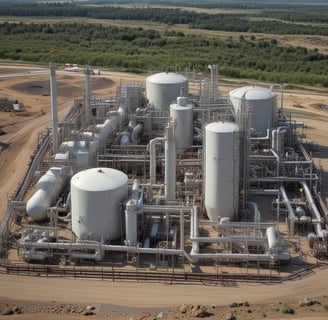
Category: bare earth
[40,298]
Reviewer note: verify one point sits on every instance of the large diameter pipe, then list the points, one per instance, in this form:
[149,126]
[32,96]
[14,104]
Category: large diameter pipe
[289,208]
[152,151]
[318,224]
[170,161]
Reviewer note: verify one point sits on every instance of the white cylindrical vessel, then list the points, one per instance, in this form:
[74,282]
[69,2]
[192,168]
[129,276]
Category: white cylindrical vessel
[261,101]
[221,170]
[181,113]
[170,161]
[131,220]
[48,189]
[164,88]
[273,242]
[97,195]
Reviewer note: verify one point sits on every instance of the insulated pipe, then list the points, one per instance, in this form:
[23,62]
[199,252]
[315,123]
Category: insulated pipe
[262,192]
[267,137]
[232,239]
[282,179]
[289,207]
[88,256]
[182,229]
[124,117]
[31,254]
[170,161]
[241,256]
[194,232]
[295,124]
[108,128]
[256,211]
[152,151]
[321,233]
[125,138]
[136,133]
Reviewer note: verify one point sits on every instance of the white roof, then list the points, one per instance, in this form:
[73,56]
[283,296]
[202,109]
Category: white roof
[222,127]
[99,179]
[253,93]
[166,78]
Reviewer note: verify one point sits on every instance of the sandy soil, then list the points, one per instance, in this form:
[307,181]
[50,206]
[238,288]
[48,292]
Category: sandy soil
[39,298]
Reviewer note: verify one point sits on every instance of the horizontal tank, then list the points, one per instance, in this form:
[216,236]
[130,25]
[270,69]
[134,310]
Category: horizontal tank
[47,192]
[261,102]
[164,88]
[96,200]
[221,170]
[182,114]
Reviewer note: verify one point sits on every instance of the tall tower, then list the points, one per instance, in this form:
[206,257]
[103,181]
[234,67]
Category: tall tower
[87,94]
[54,113]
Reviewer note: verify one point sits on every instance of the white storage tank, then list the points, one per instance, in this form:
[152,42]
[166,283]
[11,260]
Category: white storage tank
[164,88]
[47,191]
[96,197]
[181,112]
[262,101]
[131,222]
[221,170]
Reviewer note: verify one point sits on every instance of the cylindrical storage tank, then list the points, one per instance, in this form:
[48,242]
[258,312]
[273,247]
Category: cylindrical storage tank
[131,220]
[164,88]
[221,170]
[48,189]
[96,198]
[181,113]
[261,101]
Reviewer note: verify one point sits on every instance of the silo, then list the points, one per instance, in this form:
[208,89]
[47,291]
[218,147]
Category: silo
[96,196]
[164,88]
[262,101]
[221,170]
[181,113]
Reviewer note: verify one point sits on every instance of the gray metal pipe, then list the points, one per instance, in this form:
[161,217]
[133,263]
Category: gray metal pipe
[320,232]
[170,161]
[152,151]
[289,207]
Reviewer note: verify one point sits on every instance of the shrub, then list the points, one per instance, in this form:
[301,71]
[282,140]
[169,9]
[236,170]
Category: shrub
[287,310]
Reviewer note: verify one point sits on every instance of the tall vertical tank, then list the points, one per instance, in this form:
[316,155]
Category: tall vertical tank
[163,88]
[262,101]
[181,112]
[221,170]
[96,197]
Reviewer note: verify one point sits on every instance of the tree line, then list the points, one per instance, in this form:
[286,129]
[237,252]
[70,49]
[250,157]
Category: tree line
[141,50]
[299,21]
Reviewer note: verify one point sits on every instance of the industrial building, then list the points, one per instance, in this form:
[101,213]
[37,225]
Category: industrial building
[170,172]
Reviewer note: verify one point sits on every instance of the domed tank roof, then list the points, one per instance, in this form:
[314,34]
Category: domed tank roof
[222,127]
[253,93]
[166,78]
[99,179]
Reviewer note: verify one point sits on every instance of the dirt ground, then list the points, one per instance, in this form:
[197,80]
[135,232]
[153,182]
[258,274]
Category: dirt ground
[39,298]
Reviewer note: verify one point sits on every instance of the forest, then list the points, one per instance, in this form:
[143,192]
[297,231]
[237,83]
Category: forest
[140,49]
[280,22]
